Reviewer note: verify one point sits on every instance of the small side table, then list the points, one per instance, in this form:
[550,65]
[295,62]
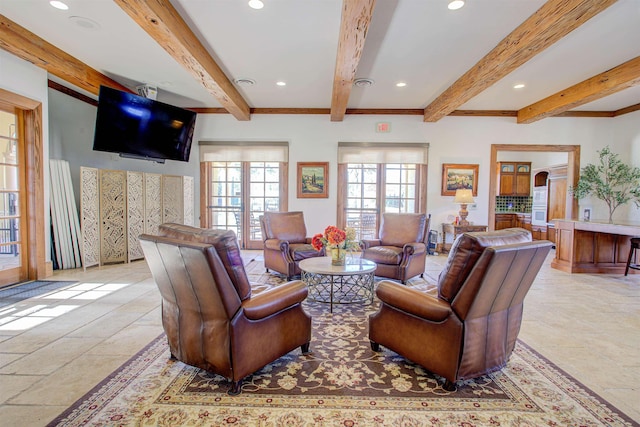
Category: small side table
[454,230]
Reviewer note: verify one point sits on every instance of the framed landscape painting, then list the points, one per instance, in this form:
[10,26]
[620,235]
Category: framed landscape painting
[458,176]
[313,180]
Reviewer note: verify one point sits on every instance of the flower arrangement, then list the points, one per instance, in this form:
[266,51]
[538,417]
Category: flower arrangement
[337,241]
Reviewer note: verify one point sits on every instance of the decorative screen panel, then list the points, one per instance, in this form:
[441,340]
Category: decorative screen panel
[90,216]
[113,238]
[188,200]
[152,202]
[172,199]
[135,214]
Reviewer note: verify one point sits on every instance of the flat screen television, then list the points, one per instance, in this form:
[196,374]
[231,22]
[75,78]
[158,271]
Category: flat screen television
[142,128]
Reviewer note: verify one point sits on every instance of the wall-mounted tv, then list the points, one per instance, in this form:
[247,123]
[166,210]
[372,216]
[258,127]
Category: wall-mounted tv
[142,128]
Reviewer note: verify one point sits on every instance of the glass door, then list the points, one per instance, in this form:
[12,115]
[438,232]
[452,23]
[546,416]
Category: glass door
[12,183]
[375,188]
[239,192]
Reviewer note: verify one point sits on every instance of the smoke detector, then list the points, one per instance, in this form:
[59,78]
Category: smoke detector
[362,82]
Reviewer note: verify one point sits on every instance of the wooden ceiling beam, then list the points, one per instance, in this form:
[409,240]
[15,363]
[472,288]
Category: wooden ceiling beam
[356,17]
[165,25]
[604,84]
[554,20]
[25,45]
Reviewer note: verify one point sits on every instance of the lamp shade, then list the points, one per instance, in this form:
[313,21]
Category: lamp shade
[463,196]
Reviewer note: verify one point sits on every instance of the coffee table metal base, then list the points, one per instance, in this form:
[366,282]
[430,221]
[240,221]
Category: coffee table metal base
[339,289]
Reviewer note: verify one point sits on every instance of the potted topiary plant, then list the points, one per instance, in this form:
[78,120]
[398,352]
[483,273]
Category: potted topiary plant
[612,181]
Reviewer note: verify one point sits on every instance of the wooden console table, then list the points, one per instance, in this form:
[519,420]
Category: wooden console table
[593,247]
[454,230]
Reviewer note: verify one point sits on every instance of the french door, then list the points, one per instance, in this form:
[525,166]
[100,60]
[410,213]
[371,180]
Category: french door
[238,193]
[368,189]
[13,265]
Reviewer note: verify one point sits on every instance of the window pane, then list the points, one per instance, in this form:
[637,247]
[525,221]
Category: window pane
[256,189]
[272,190]
[370,190]
[393,176]
[257,174]
[272,174]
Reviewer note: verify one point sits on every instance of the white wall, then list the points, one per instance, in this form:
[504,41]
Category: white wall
[315,138]
[452,140]
[23,78]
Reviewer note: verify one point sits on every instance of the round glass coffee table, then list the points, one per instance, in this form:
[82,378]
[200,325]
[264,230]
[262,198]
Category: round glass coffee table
[338,284]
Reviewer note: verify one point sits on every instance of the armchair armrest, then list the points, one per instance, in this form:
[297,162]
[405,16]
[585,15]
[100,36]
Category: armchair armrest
[414,248]
[365,244]
[274,300]
[277,245]
[413,302]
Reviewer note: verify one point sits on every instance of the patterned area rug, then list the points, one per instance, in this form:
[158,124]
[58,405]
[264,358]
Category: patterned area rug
[341,383]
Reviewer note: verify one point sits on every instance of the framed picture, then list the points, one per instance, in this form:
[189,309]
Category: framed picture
[457,176]
[313,180]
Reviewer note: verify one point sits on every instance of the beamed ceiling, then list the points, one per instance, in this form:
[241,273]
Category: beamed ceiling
[575,57]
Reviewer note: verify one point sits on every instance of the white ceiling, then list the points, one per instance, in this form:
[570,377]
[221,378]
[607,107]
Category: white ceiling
[419,42]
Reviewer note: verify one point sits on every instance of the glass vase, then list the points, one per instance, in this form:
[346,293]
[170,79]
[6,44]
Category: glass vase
[338,256]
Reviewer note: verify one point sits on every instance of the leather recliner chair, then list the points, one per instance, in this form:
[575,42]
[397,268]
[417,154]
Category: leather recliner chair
[286,242]
[211,319]
[469,327]
[400,250]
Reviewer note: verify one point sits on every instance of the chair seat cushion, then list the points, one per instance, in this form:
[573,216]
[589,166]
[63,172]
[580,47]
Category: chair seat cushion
[300,251]
[390,255]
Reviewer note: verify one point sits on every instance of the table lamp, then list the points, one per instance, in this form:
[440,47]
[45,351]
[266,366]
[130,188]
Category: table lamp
[463,197]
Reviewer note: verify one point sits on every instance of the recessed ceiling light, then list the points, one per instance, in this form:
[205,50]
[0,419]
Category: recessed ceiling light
[362,82]
[401,84]
[85,23]
[256,4]
[455,4]
[281,83]
[518,86]
[58,5]
[244,82]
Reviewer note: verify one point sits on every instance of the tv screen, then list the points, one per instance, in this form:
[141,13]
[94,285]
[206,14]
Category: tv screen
[139,127]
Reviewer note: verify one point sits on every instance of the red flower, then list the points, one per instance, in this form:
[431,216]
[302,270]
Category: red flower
[316,242]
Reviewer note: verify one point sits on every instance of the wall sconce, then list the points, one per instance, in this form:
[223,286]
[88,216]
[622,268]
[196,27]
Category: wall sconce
[463,197]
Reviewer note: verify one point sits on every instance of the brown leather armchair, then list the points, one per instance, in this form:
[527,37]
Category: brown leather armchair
[469,327]
[211,319]
[286,242]
[400,250]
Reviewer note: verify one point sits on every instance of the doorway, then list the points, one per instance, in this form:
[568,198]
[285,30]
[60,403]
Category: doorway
[573,173]
[22,190]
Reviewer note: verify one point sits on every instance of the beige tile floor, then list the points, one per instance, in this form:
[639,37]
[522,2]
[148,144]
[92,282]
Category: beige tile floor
[55,348]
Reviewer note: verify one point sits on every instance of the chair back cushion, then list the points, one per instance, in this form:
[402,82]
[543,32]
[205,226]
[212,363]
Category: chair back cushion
[400,229]
[226,246]
[465,253]
[287,226]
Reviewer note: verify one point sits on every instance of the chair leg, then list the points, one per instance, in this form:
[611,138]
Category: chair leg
[375,346]
[266,269]
[449,385]
[236,388]
[305,348]
[631,253]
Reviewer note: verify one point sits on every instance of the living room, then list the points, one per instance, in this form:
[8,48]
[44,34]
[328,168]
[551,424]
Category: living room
[67,133]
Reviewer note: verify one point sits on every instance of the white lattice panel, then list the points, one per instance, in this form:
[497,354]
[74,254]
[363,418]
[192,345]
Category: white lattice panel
[90,216]
[188,199]
[113,237]
[172,199]
[152,202]
[135,214]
